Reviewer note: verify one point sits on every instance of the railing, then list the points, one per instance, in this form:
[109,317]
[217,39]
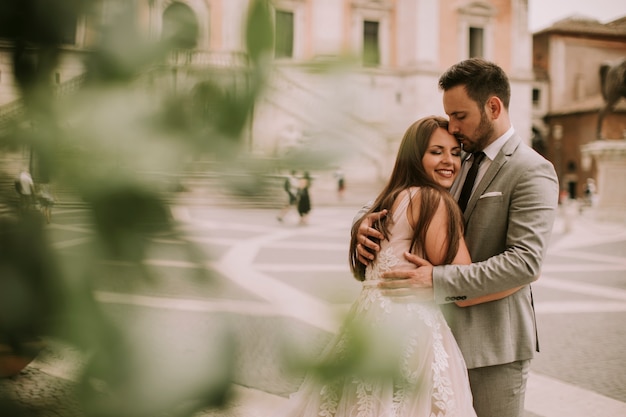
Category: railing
[200,59]
[15,109]
[10,111]
[70,86]
[207,59]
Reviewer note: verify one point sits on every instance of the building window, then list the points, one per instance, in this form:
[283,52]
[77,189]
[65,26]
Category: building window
[536,96]
[68,35]
[476,42]
[180,26]
[283,39]
[476,25]
[371,49]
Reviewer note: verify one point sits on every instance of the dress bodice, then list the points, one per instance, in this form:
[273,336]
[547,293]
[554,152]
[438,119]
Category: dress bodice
[392,250]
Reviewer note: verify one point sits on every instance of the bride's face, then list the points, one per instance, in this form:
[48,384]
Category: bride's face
[442,159]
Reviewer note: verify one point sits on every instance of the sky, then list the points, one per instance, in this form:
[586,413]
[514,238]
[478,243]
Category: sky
[542,13]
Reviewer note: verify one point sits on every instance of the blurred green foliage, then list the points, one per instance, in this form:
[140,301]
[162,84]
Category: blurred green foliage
[119,141]
[104,142]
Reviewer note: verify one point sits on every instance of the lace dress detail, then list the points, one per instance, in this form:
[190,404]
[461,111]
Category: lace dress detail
[410,337]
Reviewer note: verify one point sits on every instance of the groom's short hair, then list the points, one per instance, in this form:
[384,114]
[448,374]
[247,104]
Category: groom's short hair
[482,79]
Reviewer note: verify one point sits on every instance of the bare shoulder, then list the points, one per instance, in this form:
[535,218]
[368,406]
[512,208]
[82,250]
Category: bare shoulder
[426,193]
[411,191]
[430,197]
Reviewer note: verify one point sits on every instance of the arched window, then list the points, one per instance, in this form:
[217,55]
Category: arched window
[180,26]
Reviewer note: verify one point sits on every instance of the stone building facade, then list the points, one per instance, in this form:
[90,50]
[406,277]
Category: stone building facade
[381,61]
[567,94]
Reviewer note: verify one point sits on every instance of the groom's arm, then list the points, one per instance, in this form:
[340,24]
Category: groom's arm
[361,212]
[527,230]
[366,235]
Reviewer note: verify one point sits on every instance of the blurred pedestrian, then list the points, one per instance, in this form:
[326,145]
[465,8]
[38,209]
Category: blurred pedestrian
[46,201]
[290,185]
[341,184]
[25,187]
[304,199]
[590,192]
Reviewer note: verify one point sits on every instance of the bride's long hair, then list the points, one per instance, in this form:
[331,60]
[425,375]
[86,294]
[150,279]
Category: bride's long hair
[409,171]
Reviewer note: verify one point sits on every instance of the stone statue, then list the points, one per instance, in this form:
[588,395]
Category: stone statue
[613,86]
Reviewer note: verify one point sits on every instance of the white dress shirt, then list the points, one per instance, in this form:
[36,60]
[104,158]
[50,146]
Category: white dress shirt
[491,151]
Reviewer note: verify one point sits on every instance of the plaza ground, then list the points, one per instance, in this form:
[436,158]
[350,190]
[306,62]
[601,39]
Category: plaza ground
[275,275]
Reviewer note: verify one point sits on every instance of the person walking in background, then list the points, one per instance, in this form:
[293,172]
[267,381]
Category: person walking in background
[25,187]
[304,198]
[509,214]
[46,201]
[341,184]
[290,185]
[427,375]
[590,192]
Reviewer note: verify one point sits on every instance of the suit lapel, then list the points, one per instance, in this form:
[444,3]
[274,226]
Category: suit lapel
[501,159]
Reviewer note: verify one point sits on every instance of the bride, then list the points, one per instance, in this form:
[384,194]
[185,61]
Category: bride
[398,357]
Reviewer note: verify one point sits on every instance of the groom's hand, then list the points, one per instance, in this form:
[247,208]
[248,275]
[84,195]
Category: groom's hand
[368,237]
[416,282]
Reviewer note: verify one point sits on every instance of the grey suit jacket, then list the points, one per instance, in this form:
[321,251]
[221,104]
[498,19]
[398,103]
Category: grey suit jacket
[509,221]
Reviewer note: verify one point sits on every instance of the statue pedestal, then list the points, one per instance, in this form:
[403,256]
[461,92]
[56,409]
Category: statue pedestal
[610,159]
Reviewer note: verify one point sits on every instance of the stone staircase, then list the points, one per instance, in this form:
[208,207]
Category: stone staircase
[209,188]
[206,185]
[365,142]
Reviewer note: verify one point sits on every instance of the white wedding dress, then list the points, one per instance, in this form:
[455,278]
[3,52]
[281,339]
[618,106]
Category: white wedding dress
[410,337]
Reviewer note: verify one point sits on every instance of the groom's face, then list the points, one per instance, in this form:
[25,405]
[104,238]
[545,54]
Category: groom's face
[468,121]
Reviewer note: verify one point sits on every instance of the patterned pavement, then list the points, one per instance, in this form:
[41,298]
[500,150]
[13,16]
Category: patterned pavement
[282,281]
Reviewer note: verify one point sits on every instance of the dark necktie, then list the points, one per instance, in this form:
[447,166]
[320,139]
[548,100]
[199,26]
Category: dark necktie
[469,180]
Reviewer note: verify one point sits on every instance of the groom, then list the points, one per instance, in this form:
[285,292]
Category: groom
[509,218]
